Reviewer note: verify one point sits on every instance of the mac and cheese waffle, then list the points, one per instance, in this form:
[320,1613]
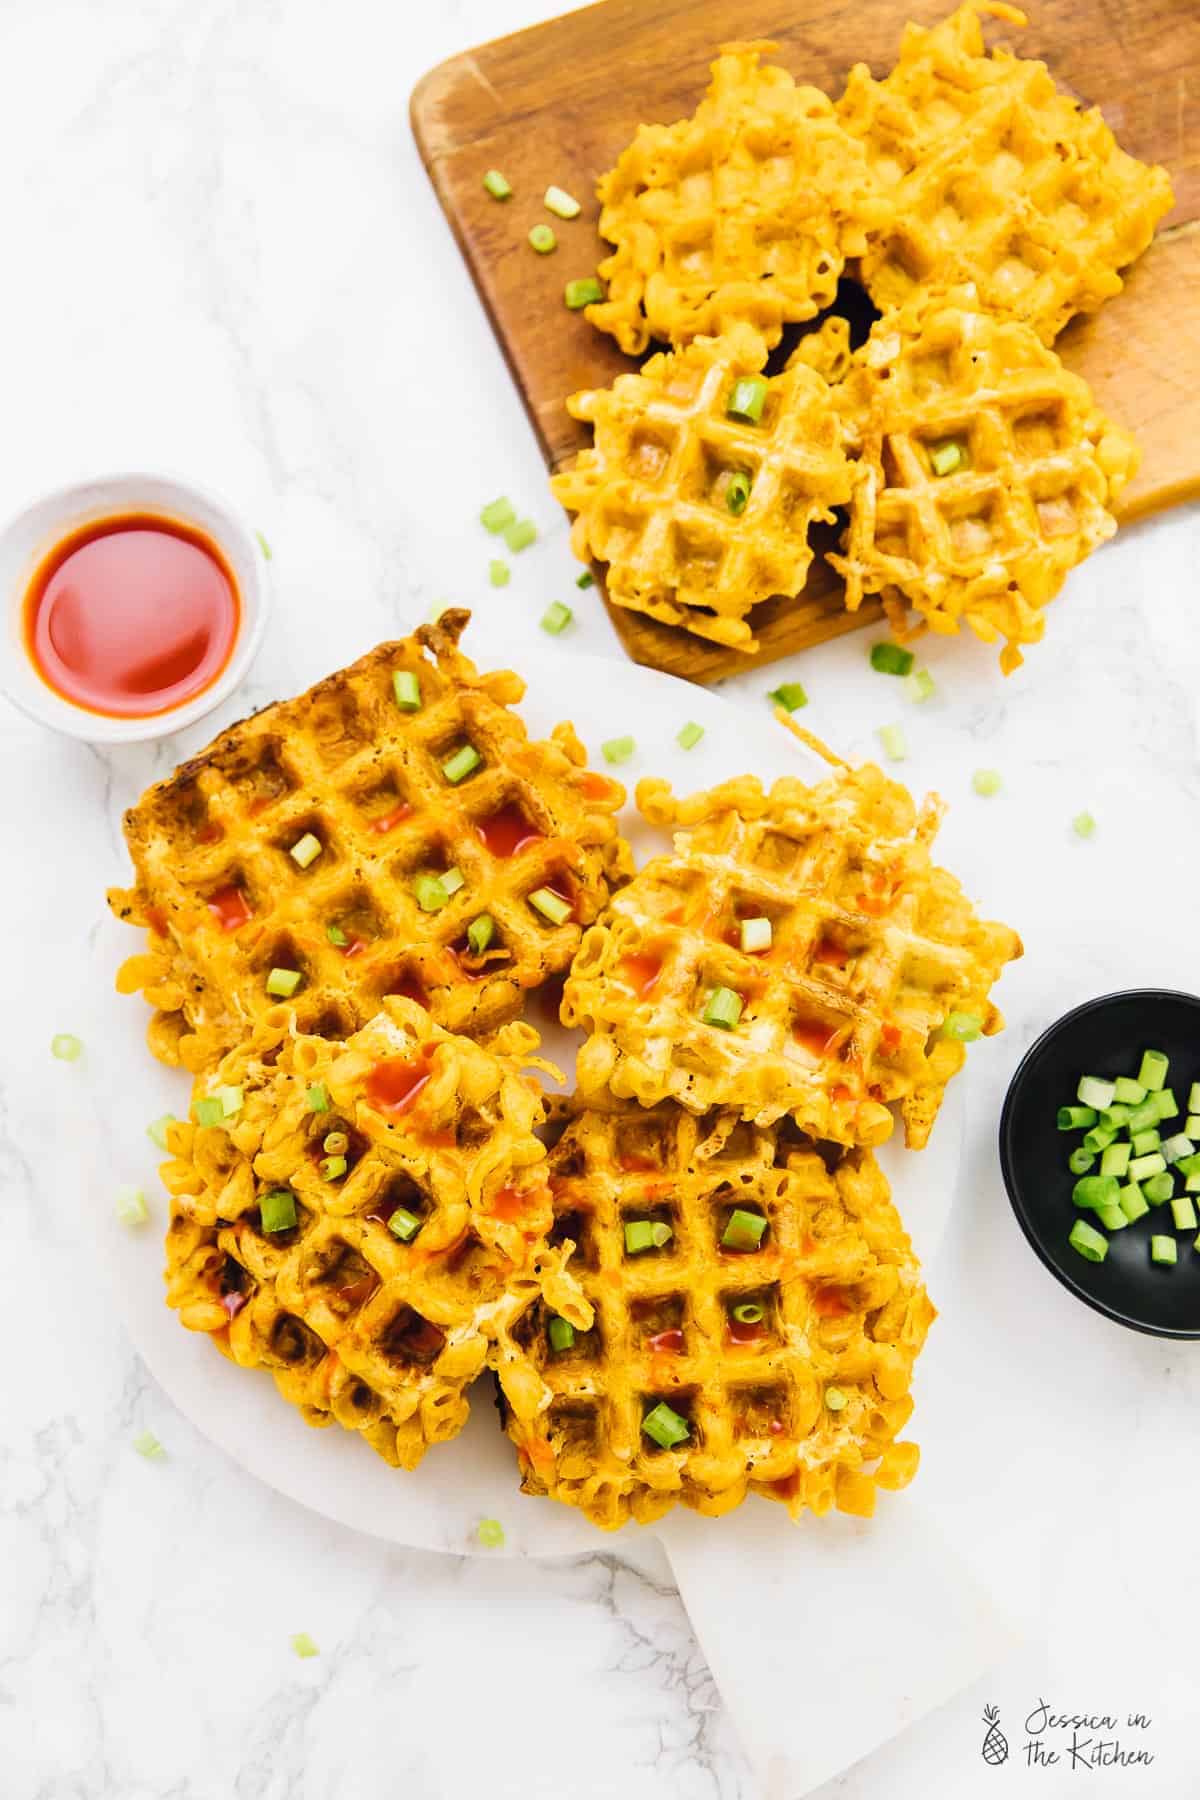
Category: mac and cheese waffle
[410,1207]
[698,513]
[996,177]
[984,472]
[744,213]
[782,1366]
[863,949]
[301,856]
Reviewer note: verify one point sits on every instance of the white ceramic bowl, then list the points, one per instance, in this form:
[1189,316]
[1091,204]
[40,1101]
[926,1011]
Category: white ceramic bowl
[28,537]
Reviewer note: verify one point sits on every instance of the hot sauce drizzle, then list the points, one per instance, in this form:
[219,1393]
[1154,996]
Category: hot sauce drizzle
[393,1085]
[230,908]
[641,972]
[507,832]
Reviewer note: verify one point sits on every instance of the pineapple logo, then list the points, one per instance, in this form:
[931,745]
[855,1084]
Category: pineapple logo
[995,1744]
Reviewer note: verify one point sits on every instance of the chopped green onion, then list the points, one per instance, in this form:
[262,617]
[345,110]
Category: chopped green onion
[404,1225]
[147,1445]
[835,1400]
[586,580]
[1116,1115]
[756,935]
[336,936]
[430,893]
[1165,1104]
[209,1113]
[336,1142]
[452,880]
[1192,1125]
[583,292]
[894,742]
[723,1008]
[1189,1165]
[304,1646]
[497,514]
[1096,1190]
[1177,1147]
[962,1027]
[1158,1188]
[263,546]
[1099,1137]
[464,762]
[891,659]
[305,850]
[156,1131]
[1115,1160]
[131,1206]
[317,1097]
[1142,1166]
[407,690]
[1092,1245]
[1162,1250]
[282,983]
[561,204]
[1129,1093]
[543,240]
[1144,1117]
[277,1210]
[496,185]
[1133,1202]
[1183,1211]
[639,1236]
[662,1234]
[499,574]
[1084,824]
[552,906]
[618,750]
[66,1047]
[480,933]
[665,1426]
[749,1312]
[1080,1161]
[1192,1184]
[561,1333]
[946,458]
[1193,1104]
[744,1231]
[1153,1071]
[987,782]
[920,686]
[490,1533]
[1144,1142]
[791,696]
[520,534]
[232,1100]
[746,398]
[1092,1091]
[1112,1218]
[333,1168]
[689,736]
[1076,1118]
[556,618]
[737,492]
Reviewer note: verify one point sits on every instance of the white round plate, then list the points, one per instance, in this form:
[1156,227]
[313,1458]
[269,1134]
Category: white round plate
[438,1506]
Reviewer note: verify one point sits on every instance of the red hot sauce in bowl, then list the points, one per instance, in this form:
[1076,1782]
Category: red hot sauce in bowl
[132,615]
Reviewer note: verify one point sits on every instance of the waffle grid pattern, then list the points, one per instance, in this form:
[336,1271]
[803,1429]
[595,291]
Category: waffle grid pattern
[990,543]
[743,213]
[226,902]
[652,494]
[842,1303]
[356,1326]
[997,178]
[872,947]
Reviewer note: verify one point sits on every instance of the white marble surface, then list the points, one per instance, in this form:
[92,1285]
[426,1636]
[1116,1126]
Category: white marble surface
[223,257]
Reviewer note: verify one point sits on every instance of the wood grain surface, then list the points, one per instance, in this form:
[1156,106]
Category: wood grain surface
[558,103]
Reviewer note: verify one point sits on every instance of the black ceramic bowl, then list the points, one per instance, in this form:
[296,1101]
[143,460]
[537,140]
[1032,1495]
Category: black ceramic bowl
[1103,1037]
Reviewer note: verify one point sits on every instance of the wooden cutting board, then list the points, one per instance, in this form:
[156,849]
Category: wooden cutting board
[558,103]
